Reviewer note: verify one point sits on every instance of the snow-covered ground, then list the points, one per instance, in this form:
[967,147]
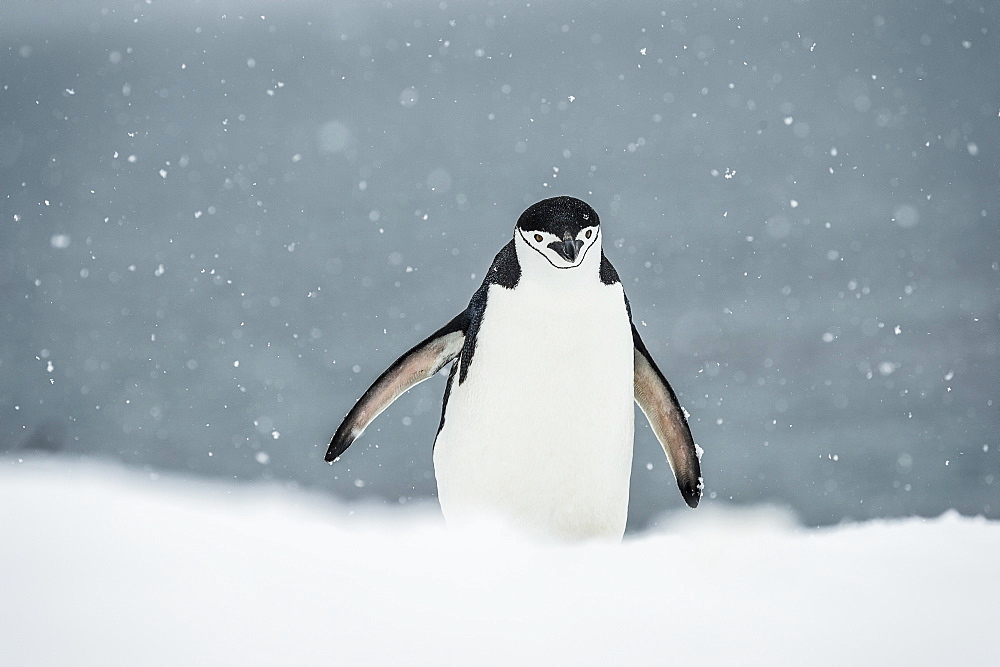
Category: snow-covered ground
[103,566]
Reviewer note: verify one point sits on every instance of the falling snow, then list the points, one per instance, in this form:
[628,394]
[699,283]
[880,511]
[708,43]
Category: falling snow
[222,226]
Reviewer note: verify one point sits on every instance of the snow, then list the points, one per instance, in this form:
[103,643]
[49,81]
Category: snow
[313,192]
[103,566]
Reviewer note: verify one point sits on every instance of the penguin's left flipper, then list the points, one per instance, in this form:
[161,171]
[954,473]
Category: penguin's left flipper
[665,415]
[421,362]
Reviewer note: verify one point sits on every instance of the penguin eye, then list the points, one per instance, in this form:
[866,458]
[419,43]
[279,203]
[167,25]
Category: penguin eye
[589,233]
[538,238]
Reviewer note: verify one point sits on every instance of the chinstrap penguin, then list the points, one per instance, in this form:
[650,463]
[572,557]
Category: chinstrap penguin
[537,420]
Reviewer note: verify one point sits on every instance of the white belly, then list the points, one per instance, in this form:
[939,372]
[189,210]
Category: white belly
[540,433]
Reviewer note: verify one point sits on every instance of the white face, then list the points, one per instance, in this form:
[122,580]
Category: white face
[562,253]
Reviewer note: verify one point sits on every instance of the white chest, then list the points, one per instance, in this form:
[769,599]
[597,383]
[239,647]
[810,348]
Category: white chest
[540,432]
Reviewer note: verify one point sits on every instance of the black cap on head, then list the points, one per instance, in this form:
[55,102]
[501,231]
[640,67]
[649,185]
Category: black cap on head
[562,216]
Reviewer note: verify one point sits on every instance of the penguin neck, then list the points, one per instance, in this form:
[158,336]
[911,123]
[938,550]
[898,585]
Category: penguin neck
[539,271]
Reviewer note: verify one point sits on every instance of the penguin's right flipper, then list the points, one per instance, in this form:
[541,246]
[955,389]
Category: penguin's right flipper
[666,416]
[421,362]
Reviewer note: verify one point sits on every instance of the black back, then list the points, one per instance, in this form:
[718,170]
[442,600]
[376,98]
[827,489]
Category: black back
[505,272]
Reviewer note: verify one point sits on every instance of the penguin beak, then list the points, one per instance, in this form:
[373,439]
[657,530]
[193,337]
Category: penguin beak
[568,249]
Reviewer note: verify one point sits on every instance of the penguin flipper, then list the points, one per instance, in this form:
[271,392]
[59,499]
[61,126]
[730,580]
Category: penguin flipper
[666,416]
[422,361]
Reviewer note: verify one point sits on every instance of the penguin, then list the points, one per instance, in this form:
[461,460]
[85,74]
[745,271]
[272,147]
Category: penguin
[537,420]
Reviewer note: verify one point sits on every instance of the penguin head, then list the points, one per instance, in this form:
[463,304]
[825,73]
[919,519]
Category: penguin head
[563,230]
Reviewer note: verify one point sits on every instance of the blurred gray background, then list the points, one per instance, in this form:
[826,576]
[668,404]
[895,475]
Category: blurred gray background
[220,221]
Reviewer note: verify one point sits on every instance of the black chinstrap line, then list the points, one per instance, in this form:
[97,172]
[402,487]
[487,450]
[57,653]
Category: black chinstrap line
[573,266]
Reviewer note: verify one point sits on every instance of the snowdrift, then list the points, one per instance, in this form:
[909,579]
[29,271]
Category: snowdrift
[100,566]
